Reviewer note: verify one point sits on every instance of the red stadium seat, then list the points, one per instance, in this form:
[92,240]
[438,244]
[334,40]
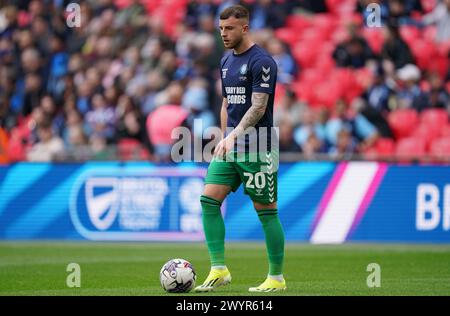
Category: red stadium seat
[445,131]
[312,76]
[341,7]
[287,35]
[427,133]
[131,149]
[374,38]
[324,64]
[382,149]
[434,117]
[304,91]
[410,147]
[385,146]
[428,5]
[340,35]
[429,33]
[424,52]
[305,53]
[409,33]
[325,24]
[333,5]
[440,65]
[441,147]
[314,37]
[327,94]
[298,22]
[403,122]
[444,48]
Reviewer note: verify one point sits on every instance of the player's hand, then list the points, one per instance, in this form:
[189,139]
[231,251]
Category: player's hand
[225,146]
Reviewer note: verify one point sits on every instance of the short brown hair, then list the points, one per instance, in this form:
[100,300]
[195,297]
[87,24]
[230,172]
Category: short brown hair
[237,11]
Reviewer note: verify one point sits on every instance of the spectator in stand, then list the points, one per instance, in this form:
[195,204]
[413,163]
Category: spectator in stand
[266,14]
[400,11]
[353,52]
[362,131]
[9,18]
[208,26]
[377,118]
[51,72]
[131,121]
[197,8]
[287,68]
[195,101]
[289,108]
[379,94]
[440,17]
[312,6]
[345,145]
[7,118]
[58,62]
[409,93]
[438,96]
[77,138]
[101,119]
[323,116]
[48,146]
[309,133]
[395,48]
[74,120]
[287,143]
[33,93]
[313,146]
[160,135]
[52,111]
[99,148]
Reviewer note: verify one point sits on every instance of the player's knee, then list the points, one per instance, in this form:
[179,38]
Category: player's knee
[260,206]
[216,192]
[207,202]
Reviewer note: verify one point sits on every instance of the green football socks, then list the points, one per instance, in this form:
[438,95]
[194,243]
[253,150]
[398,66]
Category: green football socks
[274,234]
[214,228]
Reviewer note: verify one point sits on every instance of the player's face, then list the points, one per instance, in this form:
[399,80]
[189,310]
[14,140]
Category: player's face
[232,31]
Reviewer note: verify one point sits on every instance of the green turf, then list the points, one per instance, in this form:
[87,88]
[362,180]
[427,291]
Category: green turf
[39,268]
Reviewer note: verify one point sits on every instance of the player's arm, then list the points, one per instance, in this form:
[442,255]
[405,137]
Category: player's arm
[253,114]
[251,118]
[223,116]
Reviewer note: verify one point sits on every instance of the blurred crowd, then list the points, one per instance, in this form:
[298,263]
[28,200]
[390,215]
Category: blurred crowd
[116,86]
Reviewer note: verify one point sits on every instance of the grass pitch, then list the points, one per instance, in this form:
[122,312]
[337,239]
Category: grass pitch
[39,268]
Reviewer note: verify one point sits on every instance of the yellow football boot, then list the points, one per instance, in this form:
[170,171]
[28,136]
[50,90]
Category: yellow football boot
[216,278]
[269,285]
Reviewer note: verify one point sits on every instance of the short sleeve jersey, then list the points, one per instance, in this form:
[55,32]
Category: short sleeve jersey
[251,71]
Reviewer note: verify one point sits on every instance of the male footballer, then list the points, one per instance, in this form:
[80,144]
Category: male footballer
[248,75]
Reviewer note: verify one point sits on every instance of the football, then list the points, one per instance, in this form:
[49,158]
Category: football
[177,276]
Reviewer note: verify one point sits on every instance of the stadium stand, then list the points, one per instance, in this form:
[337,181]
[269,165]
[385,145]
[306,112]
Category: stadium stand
[99,85]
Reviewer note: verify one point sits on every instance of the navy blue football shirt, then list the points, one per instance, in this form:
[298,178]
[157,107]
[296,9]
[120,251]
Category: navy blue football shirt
[242,74]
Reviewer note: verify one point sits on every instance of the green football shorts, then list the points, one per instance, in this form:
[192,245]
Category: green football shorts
[258,173]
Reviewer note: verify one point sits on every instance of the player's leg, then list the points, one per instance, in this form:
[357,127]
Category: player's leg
[221,179]
[214,229]
[213,224]
[259,175]
[274,236]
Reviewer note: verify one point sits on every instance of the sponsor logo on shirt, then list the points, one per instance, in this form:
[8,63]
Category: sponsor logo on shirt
[235,95]
[224,73]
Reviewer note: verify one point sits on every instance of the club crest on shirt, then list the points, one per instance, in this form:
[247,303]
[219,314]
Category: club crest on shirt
[243,72]
[243,69]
